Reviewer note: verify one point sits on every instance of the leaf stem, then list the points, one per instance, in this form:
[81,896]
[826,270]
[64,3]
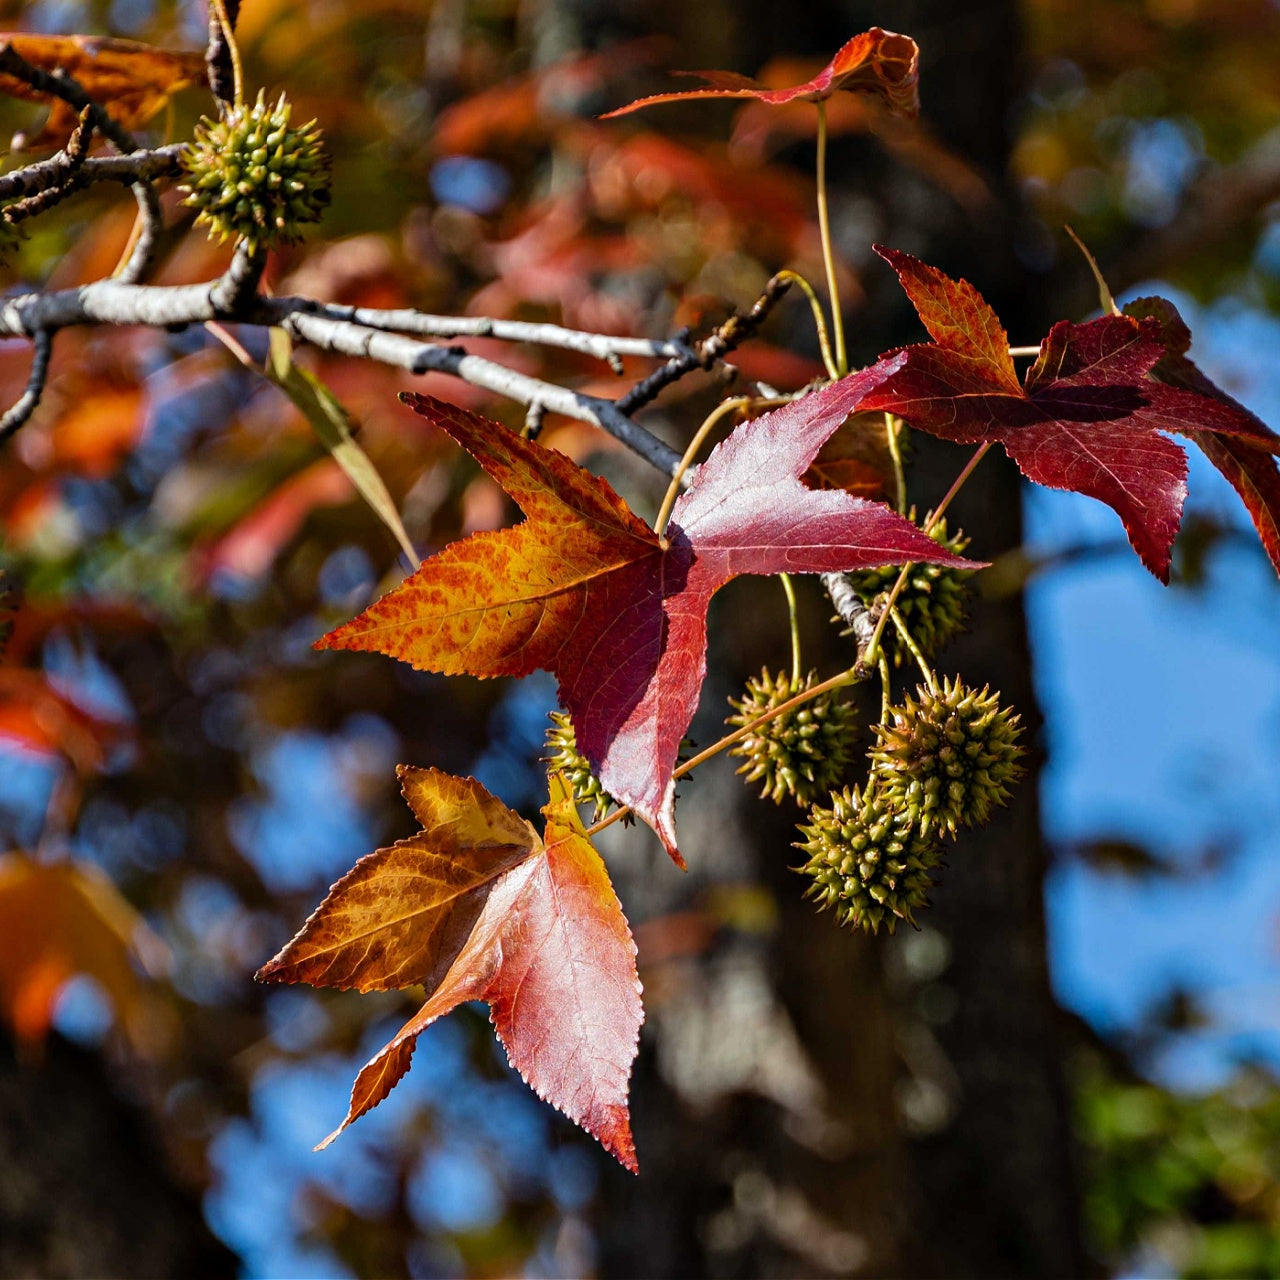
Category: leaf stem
[828,255]
[851,675]
[789,588]
[819,320]
[1024,351]
[883,666]
[909,640]
[956,485]
[892,423]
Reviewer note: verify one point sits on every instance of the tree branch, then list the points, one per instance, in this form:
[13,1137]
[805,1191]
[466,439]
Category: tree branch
[600,345]
[422,357]
[56,172]
[25,406]
[734,331]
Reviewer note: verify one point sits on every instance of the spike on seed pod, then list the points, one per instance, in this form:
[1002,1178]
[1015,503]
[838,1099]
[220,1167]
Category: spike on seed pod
[803,753]
[564,757]
[867,861]
[931,602]
[949,759]
[244,188]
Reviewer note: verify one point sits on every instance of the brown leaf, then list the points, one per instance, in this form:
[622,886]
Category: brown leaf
[132,80]
[58,920]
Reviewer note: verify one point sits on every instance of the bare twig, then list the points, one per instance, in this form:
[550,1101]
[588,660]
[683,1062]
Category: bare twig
[734,331]
[600,345]
[67,164]
[859,621]
[42,348]
[53,173]
[421,357]
[146,234]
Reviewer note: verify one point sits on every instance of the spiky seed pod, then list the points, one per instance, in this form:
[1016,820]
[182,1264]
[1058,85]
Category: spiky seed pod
[931,602]
[802,753]
[867,860]
[252,175]
[949,759]
[564,757]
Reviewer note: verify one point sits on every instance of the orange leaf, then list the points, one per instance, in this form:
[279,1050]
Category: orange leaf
[877,61]
[132,80]
[58,920]
[477,907]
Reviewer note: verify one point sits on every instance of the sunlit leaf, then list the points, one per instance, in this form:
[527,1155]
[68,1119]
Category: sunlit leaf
[477,907]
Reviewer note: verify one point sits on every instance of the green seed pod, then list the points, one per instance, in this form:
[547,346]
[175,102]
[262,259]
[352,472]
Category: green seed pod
[564,757]
[802,753]
[947,760]
[867,860]
[931,602]
[236,169]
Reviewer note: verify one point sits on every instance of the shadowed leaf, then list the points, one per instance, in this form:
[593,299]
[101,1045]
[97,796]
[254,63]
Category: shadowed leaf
[877,61]
[1088,417]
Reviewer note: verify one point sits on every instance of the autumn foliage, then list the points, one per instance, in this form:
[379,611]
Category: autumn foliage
[478,905]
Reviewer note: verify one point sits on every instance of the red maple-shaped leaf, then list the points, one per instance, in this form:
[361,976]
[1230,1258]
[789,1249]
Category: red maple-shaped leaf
[1251,469]
[477,907]
[587,590]
[877,61]
[1088,416]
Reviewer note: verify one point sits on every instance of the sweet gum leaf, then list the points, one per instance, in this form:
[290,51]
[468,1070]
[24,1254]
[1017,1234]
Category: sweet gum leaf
[1089,415]
[877,61]
[587,590]
[478,907]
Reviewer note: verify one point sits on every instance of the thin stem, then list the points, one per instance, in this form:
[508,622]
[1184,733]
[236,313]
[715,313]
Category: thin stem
[956,485]
[1024,351]
[796,667]
[978,454]
[228,34]
[232,344]
[909,640]
[891,425]
[828,256]
[847,677]
[699,437]
[819,320]
[885,690]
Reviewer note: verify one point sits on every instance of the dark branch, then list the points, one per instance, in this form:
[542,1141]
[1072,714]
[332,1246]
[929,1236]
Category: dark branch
[26,404]
[218,55]
[51,174]
[65,168]
[734,331]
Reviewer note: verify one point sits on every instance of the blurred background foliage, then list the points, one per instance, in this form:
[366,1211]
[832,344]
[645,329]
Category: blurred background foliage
[178,767]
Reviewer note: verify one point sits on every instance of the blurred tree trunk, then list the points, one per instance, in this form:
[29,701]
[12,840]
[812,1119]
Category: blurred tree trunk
[808,1101]
[84,1190]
